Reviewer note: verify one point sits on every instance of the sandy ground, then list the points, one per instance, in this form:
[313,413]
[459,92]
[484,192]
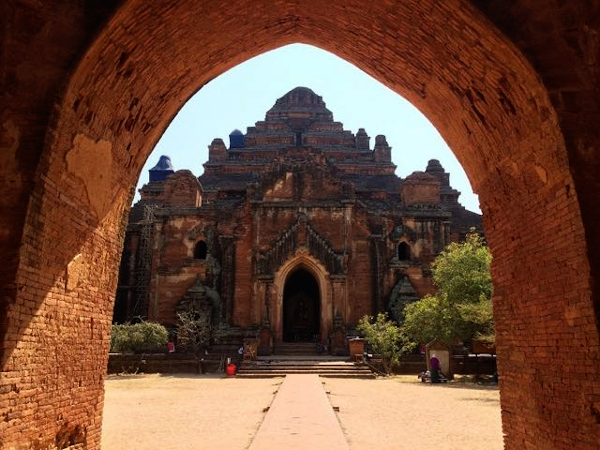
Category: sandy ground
[209,412]
[183,412]
[400,413]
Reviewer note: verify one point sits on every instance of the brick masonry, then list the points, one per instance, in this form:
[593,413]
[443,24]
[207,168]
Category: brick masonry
[295,187]
[84,96]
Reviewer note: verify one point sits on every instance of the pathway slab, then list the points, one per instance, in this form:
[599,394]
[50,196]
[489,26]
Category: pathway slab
[300,417]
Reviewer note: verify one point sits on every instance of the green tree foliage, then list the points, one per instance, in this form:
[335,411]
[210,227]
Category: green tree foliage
[462,271]
[462,307]
[138,337]
[385,338]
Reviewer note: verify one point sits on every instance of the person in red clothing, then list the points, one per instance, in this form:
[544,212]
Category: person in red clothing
[434,365]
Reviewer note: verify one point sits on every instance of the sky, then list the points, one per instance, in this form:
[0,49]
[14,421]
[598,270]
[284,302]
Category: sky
[241,96]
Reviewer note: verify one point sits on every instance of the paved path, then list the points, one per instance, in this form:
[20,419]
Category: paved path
[300,417]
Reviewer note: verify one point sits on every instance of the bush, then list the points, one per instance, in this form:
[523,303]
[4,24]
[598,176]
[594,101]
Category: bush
[385,338]
[194,330]
[138,337]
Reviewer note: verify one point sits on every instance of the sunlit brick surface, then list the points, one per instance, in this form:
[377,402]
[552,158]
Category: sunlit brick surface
[87,88]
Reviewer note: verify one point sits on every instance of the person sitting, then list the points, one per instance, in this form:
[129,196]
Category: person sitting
[434,365]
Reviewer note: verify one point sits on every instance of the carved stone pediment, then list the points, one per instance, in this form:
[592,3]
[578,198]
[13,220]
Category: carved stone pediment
[402,294]
[203,300]
[300,235]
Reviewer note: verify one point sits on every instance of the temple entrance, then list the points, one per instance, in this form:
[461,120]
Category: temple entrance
[301,307]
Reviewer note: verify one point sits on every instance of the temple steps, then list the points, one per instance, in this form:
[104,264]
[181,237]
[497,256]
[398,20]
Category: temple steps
[324,366]
[295,348]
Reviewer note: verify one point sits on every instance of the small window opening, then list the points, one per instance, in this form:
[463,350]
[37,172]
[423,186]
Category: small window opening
[403,251]
[299,139]
[200,250]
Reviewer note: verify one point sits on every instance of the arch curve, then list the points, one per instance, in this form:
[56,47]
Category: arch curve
[302,261]
[445,57]
[403,251]
[200,250]
[301,307]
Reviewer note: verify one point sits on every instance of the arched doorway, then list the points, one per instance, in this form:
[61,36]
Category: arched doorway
[75,146]
[301,307]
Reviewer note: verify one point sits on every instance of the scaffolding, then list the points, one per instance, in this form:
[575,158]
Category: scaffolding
[144,264]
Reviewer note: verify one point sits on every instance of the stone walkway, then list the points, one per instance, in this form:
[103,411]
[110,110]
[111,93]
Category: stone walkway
[198,412]
[300,417]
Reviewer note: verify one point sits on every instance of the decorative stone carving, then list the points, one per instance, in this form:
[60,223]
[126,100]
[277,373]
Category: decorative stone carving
[202,299]
[300,234]
[402,294]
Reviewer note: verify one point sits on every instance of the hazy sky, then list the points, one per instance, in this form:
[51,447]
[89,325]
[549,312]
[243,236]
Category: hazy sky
[242,96]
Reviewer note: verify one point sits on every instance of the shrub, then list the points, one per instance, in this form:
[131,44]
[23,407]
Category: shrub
[194,330]
[138,337]
[385,338]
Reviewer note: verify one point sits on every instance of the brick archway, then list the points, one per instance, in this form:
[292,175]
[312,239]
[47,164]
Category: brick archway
[129,80]
[301,261]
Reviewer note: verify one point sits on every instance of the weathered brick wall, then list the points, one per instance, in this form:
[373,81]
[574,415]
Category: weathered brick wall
[60,253]
[182,189]
[420,188]
[246,308]
[75,131]
[332,224]
[174,268]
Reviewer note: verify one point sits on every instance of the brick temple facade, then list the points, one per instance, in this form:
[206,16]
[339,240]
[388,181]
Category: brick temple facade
[299,227]
[89,87]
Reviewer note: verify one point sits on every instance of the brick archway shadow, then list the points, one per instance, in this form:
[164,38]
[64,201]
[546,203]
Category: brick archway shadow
[446,58]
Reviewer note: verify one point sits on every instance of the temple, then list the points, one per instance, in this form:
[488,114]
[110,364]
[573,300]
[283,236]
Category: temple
[295,231]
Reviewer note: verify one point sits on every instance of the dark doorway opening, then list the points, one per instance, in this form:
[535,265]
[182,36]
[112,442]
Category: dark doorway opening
[200,250]
[301,307]
[403,251]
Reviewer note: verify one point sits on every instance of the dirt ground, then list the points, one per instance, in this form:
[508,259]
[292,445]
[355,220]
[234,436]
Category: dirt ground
[212,412]
[402,413]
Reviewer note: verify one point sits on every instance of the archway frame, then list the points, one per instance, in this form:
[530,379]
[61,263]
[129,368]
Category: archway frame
[446,58]
[302,260]
[404,250]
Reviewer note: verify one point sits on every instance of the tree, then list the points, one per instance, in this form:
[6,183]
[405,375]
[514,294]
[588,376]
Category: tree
[385,337]
[462,307]
[194,330]
[424,320]
[462,270]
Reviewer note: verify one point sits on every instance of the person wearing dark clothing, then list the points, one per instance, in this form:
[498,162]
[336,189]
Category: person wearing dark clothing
[434,365]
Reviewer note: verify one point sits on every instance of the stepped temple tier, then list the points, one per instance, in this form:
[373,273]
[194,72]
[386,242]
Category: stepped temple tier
[294,231]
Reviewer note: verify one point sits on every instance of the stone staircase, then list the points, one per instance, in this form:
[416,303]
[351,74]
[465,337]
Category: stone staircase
[296,349]
[302,358]
[280,367]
